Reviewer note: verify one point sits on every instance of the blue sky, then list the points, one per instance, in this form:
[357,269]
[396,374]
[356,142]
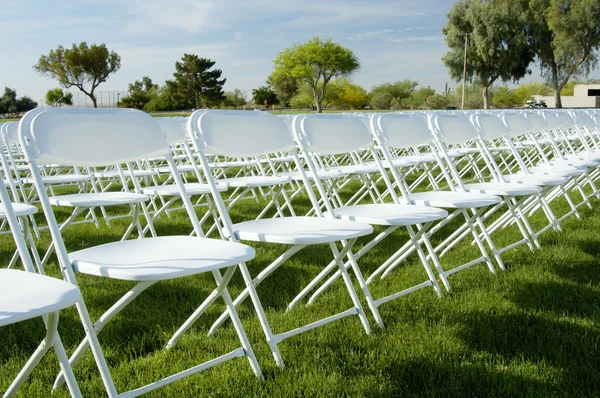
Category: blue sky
[394,39]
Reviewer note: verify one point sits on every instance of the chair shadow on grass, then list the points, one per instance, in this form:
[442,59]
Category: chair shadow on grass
[522,337]
[426,377]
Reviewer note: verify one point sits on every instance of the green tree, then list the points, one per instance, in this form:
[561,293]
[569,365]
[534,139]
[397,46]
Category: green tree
[57,97]
[11,106]
[80,66]
[196,83]
[437,101]
[235,98]
[400,91]
[167,99]
[264,95]
[140,93]
[417,98]
[381,100]
[503,97]
[498,48]
[303,98]
[352,96]
[285,86]
[315,63]
[525,91]
[566,37]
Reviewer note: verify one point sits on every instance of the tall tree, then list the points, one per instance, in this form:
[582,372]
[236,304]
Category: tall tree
[11,106]
[264,95]
[566,37]
[235,98]
[315,63]
[140,93]
[57,97]
[196,82]
[286,87]
[83,66]
[498,44]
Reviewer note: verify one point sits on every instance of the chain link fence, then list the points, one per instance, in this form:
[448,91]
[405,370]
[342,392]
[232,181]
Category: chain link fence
[104,98]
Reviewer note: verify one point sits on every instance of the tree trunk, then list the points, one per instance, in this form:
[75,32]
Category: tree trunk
[486,97]
[557,100]
[94,101]
[319,107]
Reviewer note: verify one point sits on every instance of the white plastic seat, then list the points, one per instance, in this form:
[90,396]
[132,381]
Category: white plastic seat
[27,295]
[61,179]
[254,181]
[20,209]
[194,188]
[452,199]
[322,174]
[160,258]
[299,230]
[94,199]
[389,214]
[503,188]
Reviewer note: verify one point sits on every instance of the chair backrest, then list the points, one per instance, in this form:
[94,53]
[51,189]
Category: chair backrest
[454,129]
[332,134]
[538,123]
[90,137]
[174,130]
[517,123]
[566,120]
[491,127]
[11,130]
[402,130]
[218,132]
[582,119]
[554,122]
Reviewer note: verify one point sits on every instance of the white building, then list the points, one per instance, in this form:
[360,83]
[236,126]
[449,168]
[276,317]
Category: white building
[584,96]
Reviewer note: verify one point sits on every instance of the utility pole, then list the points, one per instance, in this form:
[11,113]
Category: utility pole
[465,70]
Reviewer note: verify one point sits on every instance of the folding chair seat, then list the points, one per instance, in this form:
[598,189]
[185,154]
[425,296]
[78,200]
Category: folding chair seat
[252,134]
[56,135]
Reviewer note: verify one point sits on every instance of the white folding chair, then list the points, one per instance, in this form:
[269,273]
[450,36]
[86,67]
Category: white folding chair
[26,295]
[250,134]
[57,135]
[337,134]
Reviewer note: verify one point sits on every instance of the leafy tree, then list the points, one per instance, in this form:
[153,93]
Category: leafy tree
[262,94]
[196,83]
[353,96]
[499,46]
[418,97]
[437,101]
[167,99]
[381,100]
[80,66]
[303,98]
[566,37]
[235,98]
[315,63]
[140,93]
[11,106]
[569,88]
[525,91]
[285,87]
[57,97]
[503,97]
[400,91]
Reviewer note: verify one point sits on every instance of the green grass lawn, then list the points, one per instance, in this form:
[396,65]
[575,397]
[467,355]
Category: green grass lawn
[530,331]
